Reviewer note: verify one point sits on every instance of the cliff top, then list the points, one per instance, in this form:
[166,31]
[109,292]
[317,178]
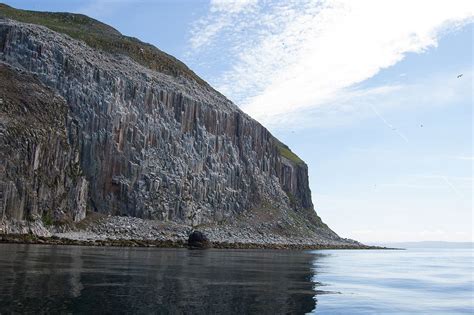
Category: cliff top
[102,36]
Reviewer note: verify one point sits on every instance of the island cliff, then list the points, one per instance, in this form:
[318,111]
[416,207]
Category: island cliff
[106,137]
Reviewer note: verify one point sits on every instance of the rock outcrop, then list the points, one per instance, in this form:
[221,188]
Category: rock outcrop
[93,121]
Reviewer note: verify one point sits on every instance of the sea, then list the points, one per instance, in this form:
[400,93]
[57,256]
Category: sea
[44,279]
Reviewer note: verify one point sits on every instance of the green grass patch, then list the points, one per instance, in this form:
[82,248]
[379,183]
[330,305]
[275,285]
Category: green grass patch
[287,153]
[47,219]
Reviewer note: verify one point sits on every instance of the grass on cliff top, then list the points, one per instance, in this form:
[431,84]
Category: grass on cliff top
[101,36]
[287,153]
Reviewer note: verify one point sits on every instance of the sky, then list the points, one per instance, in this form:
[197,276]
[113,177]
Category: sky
[367,93]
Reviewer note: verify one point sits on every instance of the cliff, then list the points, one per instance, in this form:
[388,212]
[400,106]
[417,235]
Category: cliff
[94,122]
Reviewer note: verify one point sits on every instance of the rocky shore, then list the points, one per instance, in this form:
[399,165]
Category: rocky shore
[54,240]
[100,230]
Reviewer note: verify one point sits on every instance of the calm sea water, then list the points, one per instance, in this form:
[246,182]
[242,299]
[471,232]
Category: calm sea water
[62,279]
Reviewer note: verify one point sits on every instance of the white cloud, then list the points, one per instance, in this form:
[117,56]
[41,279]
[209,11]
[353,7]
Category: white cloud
[231,6]
[291,56]
[222,14]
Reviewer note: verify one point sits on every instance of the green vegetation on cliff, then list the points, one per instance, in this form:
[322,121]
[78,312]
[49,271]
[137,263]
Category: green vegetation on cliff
[285,151]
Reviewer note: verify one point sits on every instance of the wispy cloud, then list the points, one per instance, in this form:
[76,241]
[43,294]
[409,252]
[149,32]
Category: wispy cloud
[456,178]
[451,185]
[355,103]
[290,56]
[454,183]
[222,15]
[463,157]
[399,133]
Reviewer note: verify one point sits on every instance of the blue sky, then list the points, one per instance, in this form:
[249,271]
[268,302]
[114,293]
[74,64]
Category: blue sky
[366,92]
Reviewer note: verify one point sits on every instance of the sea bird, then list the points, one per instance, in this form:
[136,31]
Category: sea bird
[459,75]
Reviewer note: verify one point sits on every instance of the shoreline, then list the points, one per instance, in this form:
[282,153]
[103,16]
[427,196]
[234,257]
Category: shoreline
[54,240]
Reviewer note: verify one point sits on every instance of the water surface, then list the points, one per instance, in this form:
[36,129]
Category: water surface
[412,281]
[44,279]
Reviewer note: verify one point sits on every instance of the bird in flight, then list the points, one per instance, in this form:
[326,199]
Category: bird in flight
[459,75]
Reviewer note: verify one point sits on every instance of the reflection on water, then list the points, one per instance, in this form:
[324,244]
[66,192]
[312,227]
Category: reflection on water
[36,278]
[61,279]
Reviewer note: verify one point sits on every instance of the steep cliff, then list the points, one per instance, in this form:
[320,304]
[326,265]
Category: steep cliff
[93,121]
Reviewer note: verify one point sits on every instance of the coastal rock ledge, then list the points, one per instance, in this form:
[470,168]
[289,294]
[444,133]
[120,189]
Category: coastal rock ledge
[104,137]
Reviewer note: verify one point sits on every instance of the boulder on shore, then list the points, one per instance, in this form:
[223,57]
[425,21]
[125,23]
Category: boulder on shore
[198,240]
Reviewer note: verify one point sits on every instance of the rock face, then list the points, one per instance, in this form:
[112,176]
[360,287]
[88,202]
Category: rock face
[41,178]
[92,125]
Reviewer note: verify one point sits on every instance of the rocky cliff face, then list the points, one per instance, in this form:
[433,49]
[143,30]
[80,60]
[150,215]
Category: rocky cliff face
[41,179]
[104,128]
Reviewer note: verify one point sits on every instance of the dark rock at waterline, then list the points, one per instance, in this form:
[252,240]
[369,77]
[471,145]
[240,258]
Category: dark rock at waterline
[198,240]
